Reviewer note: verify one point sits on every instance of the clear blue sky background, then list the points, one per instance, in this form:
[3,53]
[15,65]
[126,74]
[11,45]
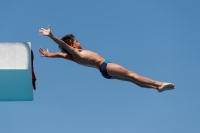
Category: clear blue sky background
[158,39]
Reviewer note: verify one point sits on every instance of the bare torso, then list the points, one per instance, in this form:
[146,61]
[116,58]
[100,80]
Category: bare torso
[87,58]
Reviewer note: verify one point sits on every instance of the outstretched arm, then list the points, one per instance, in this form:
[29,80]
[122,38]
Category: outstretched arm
[54,55]
[61,43]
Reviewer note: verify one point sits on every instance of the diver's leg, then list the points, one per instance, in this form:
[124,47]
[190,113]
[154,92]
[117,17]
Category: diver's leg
[119,71]
[122,79]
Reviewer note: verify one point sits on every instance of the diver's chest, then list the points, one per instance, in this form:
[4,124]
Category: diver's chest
[86,54]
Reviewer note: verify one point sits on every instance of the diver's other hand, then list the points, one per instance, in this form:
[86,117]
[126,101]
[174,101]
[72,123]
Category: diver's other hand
[43,52]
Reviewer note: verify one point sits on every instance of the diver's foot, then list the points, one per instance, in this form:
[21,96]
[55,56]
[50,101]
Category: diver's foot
[165,86]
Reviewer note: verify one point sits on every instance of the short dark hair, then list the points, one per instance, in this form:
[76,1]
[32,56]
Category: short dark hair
[68,39]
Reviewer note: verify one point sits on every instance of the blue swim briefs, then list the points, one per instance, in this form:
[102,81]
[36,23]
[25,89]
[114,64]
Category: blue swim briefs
[103,69]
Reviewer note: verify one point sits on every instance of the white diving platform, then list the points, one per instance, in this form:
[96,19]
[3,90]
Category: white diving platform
[15,71]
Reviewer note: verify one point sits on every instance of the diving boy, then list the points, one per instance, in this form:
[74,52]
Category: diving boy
[72,50]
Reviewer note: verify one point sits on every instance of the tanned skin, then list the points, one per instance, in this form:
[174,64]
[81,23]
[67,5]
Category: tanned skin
[92,59]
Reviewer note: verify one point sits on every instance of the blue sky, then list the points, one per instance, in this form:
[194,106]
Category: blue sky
[158,39]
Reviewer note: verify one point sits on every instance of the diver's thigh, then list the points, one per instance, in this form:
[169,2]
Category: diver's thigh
[116,70]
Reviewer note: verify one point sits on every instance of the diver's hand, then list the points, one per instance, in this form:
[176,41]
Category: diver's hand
[45,32]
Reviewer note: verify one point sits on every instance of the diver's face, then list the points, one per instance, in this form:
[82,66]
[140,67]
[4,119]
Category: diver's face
[76,44]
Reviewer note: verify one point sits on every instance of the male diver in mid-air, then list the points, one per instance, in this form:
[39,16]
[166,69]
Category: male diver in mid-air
[72,50]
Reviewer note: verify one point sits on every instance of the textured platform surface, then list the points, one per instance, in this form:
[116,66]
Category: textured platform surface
[15,71]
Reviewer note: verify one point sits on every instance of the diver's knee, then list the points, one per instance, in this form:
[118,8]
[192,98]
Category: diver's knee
[133,75]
